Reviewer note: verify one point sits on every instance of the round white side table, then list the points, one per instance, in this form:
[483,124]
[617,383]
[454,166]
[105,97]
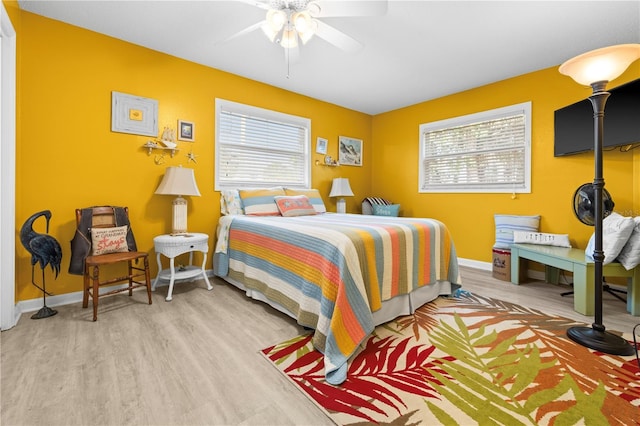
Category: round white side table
[172,246]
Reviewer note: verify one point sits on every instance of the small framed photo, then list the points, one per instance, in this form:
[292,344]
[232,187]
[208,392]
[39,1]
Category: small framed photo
[321,146]
[186,131]
[350,151]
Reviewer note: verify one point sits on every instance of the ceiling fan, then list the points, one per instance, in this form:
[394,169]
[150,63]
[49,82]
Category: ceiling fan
[291,22]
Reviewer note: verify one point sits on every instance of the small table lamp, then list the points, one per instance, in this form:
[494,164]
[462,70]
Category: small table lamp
[341,188]
[179,181]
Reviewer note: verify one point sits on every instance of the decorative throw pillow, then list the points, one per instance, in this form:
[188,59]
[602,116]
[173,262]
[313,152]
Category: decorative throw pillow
[558,240]
[367,204]
[260,202]
[616,230]
[294,205]
[386,210]
[506,224]
[312,194]
[109,240]
[629,256]
[230,202]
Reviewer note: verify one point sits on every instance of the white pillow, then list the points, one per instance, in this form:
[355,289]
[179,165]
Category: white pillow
[616,230]
[230,202]
[558,240]
[629,256]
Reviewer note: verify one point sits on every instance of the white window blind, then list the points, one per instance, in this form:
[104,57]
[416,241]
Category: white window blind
[260,148]
[484,152]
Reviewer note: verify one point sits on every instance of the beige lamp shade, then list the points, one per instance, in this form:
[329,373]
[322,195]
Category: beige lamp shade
[341,188]
[603,64]
[179,181]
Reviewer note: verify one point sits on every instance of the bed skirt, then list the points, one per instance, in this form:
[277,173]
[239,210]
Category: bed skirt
[405,304]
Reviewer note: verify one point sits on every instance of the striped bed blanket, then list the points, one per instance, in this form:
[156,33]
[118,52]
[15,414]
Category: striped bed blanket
[333,270]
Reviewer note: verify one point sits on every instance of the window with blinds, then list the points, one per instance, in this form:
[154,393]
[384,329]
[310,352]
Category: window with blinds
[485,152]
[256,147]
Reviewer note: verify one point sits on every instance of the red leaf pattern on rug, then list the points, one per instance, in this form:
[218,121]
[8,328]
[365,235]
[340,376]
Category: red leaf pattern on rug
[469,360]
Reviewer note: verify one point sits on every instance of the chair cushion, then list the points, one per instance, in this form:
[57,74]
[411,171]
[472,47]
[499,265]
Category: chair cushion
[109,240]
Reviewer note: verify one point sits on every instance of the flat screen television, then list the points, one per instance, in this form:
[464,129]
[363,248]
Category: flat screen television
[573,125]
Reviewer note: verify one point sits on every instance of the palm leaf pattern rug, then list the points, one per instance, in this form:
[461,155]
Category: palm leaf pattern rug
[470,360]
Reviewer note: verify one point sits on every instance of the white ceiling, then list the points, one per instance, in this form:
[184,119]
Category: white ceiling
[419,50]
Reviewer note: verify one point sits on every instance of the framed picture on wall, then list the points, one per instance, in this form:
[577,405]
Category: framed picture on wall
[349,151]
[186,131]
[321,146]
[134,114]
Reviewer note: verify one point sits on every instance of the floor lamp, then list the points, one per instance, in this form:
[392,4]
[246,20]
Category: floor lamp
[596,68]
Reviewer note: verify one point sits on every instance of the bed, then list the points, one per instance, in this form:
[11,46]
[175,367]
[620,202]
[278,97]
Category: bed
[338,274]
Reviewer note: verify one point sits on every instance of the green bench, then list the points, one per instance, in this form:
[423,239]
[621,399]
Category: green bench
[573,260]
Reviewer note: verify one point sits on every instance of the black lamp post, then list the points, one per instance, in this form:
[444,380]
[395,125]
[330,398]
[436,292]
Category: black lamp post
[596,69]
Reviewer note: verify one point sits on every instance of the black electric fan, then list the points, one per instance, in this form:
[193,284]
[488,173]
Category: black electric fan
[584,209]
[584,204]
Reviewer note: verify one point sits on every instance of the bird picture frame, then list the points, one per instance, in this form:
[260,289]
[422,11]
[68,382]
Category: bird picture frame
[349,151]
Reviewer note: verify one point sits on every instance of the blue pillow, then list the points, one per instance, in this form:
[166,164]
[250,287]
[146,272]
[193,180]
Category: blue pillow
[385,210]
[506,224]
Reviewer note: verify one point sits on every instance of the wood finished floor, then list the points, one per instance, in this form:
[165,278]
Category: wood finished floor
[193,361]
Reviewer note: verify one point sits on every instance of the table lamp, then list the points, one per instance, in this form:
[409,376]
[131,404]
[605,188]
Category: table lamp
[341,188]
[179,181]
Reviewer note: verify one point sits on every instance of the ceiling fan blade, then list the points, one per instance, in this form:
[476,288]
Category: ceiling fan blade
[335,8]
[247,30]
[257,3]
[337,38]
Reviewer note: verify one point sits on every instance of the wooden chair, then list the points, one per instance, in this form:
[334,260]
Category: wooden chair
[107,217]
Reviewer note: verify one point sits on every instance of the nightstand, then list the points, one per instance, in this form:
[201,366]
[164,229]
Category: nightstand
[175,245]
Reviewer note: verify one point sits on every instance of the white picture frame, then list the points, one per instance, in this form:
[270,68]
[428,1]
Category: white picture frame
[349,151]
[134,114]
[321,146]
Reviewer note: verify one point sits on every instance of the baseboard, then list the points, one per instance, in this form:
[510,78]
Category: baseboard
[476,264]
[488,266]
[33,305]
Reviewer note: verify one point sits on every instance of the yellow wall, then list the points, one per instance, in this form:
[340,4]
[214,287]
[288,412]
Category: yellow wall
[67,156]
[554,180]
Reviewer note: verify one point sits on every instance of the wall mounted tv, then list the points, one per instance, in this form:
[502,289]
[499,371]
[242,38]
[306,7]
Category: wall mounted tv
[573,128]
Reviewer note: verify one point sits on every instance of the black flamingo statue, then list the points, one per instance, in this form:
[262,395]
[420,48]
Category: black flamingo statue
[45,250]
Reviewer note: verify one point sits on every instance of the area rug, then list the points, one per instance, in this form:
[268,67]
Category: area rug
[470,360]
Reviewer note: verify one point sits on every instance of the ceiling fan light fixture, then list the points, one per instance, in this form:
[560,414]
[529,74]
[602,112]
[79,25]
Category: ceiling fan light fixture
[306,36]
[269,32]
[276,19]
[301,21]
[289,38]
